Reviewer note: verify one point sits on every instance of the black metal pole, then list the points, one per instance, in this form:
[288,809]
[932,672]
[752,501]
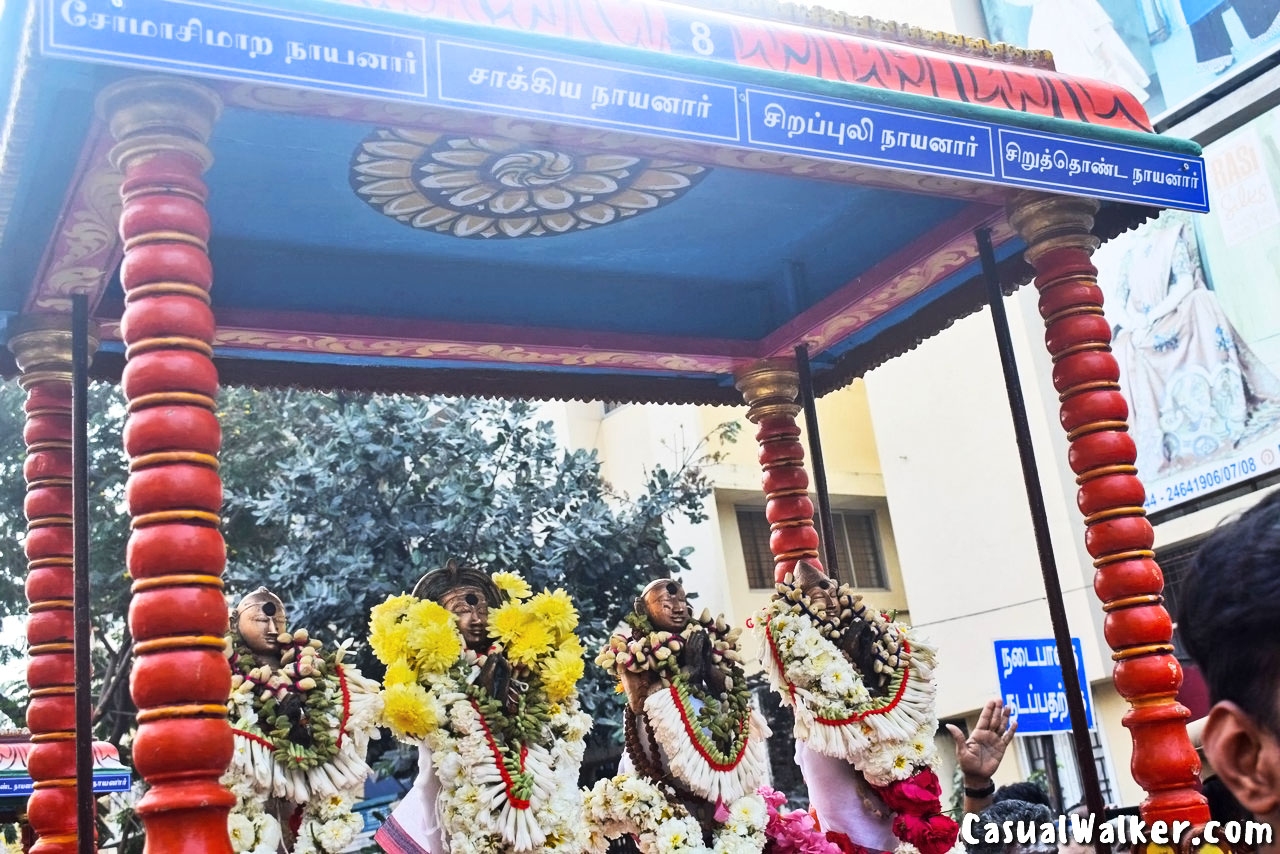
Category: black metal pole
[86,818]
[1040,524]
[819,468]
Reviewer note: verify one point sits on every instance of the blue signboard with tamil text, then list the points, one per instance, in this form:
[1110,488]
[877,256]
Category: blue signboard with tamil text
[873,135]
[21,786]
[542,86]
[238,42]
[234,41]
[1031,684]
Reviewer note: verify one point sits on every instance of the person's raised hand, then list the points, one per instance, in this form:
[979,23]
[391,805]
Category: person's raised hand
[980,754]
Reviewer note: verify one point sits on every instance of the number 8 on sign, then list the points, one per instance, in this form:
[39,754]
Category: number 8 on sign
[702,36]
[702,43]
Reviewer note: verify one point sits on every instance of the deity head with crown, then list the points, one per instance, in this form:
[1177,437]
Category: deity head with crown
[302,719]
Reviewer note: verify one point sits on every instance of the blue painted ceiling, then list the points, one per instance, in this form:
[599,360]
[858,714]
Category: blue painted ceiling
[290,234]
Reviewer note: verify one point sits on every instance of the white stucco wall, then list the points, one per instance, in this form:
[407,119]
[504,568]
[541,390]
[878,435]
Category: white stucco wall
[960,514]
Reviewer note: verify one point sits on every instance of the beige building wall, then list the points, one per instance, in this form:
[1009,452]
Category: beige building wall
[963,529]
[632,439]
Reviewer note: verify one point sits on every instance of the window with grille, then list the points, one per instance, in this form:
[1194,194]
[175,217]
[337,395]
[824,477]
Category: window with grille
[1054,757]
[856,539]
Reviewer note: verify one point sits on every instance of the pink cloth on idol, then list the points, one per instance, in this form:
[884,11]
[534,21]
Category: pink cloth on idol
[836,790]
[414,826]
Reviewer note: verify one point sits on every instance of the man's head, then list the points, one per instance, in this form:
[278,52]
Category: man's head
[1229,622]
[258,619]
[664,603]
[467,592]
[1022,791]
[1022,815]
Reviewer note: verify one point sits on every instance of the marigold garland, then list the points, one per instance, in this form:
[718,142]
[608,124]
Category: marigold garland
[508,777]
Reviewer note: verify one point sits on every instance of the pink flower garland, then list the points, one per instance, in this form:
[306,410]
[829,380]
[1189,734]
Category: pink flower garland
[793,832]
[917,801]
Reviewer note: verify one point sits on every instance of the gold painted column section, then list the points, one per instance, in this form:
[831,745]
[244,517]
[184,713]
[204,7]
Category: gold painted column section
[1094,414]
[180,679]
[770,387]
[41,345]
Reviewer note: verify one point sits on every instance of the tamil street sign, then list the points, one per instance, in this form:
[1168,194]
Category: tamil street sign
[1031,684]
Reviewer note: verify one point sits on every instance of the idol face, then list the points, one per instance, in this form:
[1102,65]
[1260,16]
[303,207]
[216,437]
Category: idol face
[260,623]
[469,606]
[668,607]
[823,596]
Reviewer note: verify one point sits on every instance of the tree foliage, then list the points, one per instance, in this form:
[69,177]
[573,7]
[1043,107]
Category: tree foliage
[336,501]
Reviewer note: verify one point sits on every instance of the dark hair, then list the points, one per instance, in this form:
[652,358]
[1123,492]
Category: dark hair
[1026,791]
[1019,812]
[1227,613]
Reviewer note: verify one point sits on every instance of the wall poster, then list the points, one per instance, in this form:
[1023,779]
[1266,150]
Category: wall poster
[1165,52]
[1194,303]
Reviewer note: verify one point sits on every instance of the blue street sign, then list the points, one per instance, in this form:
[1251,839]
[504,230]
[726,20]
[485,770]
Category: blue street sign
[1031,684]
[20,786]
[233,41]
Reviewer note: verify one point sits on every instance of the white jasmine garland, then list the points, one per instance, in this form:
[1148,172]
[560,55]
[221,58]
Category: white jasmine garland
[835,714]
[325,794]
[477,814]
[632,805]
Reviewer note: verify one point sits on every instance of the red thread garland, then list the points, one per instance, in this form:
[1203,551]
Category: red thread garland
[253,737]
[791,689]
[518,803]
[697,744]
[346,703]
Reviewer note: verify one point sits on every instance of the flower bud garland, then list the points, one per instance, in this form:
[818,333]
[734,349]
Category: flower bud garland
[888,735]
[508,776]
[301,732]
[717,746]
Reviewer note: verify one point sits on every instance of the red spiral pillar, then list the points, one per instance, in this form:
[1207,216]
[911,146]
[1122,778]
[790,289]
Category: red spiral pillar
[41,345]
[1057,231]
[180,680]
[770,388]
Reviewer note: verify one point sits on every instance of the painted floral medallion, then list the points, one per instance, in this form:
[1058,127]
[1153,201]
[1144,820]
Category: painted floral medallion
[483,187]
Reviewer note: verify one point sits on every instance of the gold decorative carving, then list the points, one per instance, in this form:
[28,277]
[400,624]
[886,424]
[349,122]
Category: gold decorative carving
[41,344]
[1047,222]
[151,114]
[912,281]
[770,387]
[489,187]
[87,247]
[256,96]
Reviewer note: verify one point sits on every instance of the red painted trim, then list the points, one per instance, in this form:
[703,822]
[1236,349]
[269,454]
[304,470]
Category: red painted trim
[481,333]
[518,803]
[902,686]
[697,744]
[808,52]
[93,160]
[807,327]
